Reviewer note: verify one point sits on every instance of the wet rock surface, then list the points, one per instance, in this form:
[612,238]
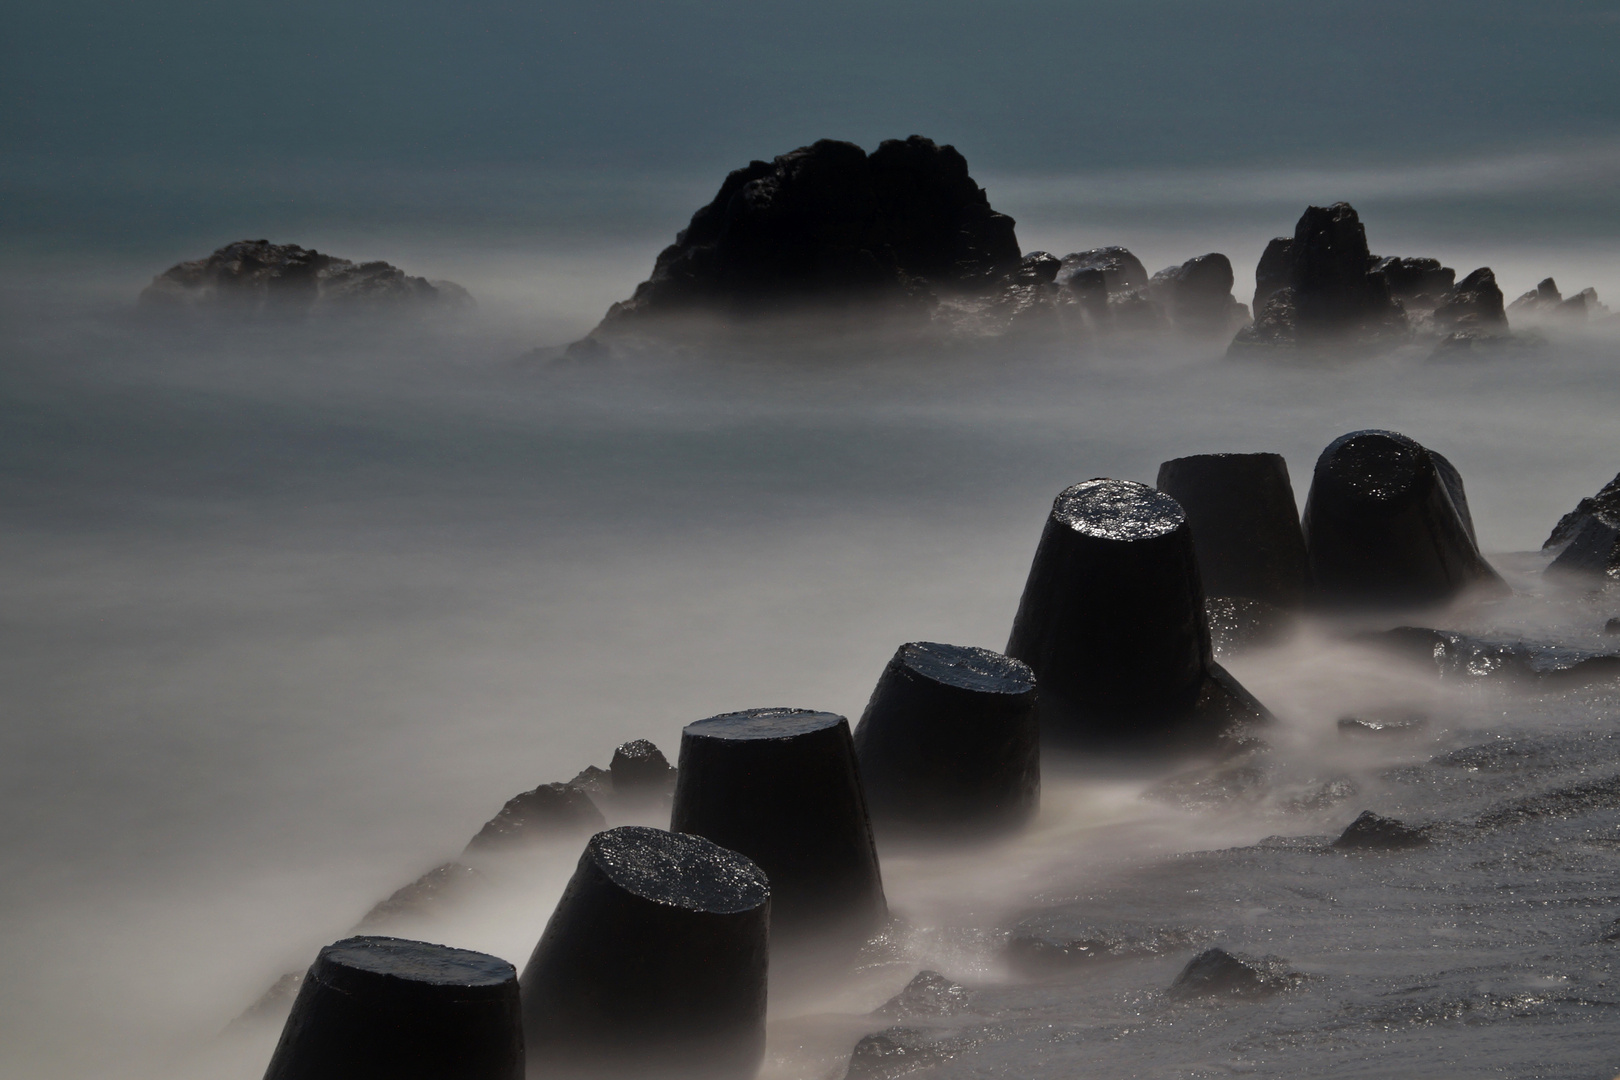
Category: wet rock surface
[1216,973]
[928,994]
[641,775]
[381,1008]
[1196,296]
[1606,504]
[1386,523]
[1462,656]
[434,893]
[1036,951]
[901,1051]
[258,277]
[1237,624]
[654,962]
[547,812]
[1593,550]
[1119,270]
[1369,832]
[1382,727]
[950,740]
[1474,303]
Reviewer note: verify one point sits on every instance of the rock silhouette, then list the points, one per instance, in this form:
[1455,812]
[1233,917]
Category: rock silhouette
[548,811]
[1197,295]
[1606,504]
[256,276]
[1474,304]
[1369,832]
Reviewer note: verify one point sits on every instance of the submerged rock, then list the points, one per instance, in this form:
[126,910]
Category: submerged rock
[1369,832]
[1382,727]
[1216,973]
[548,811]
[1036,953]
[928,994]
[1464,656]
[256,276]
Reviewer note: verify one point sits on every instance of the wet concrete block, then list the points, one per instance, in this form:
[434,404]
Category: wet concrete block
[547,812]
[950,739]
[1369,832]
[382,1008]
[641,775]
[1245,524]
[1111,620]
[1386,524]
[783,787]
[653,964]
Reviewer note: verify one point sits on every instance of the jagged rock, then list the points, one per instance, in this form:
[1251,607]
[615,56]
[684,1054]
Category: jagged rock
[928,994]
[1336,296]
[1545,301]
[253,276]
[641,774]
[1463,656]
[548,811]
[1381,726]
[828,224]
[431,894]
[1582,305]
[1197,295]
[1369,832]
[900,1051]
[1216,973]
[1606,502]
[1415,281]
[1593,550]
[593,781]
[1544,297]
[1037,268]
[1474,303]
[1121,270]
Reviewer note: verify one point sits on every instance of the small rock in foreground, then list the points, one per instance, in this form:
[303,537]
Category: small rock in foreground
[1369,832]
[928,994]
[1216,973]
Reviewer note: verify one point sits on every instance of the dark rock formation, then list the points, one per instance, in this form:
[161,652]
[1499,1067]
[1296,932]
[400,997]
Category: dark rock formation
[929,994]
[549,811]
[1386,523]
[1419,282]
[1594,550]
[1545,302]
[900,1051]
[654,962]
[1112,623]
[1606,503]
[1474,303]
[256,276]
[641,774]
[431,894]
[782,787]
[828,224]
[1197,295]
[1216,973]
[1037,268]
[950,740]
[1336,296]
[1121,271]
[1369,832]
[381,1008]
[595,782]
[1544,298]
[1463,656]
[1244,522]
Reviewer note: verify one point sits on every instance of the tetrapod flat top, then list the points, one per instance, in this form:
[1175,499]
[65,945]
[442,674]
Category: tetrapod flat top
[753,724]
[967,667]
[1372,465]
[1118,510]
[416,962]
[679,869]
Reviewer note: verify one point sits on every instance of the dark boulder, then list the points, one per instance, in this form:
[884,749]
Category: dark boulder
[1121,270]
[1216,973]
[828,224]
[547,812]
[782,787]
[1544,298]
[1474,303]
[1112,623]
[1197,295]
[256,276]
[1452,655]
[382,1008]
[1275,328]
[1386,523]
[1037,268]
[1274,273]
[950,740]
[1245,524]
[1415,281]
[1369,832]
[1593,550]
[928,994]
[653,964]
[1606,502]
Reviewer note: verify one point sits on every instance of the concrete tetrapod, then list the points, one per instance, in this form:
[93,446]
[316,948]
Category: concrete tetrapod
[1245,524]
[1112,623]
[382,1008]
[1386,523]
[782,787]
[950,739]
[653,964]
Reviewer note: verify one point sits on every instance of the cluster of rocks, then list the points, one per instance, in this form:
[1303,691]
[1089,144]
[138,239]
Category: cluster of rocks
[256,277]
[1545,303]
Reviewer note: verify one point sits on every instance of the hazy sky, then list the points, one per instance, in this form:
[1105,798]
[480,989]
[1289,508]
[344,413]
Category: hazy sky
[450,101]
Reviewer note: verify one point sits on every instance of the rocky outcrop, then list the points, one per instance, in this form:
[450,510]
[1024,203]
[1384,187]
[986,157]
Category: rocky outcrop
[1216,973]
[828,224]
[1370,832]
[1606,502]
[256,276]
[1121,271]
[1196,296]
[1474,303]
[1545,303]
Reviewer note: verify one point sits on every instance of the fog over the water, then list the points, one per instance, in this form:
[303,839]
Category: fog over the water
[291,610]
